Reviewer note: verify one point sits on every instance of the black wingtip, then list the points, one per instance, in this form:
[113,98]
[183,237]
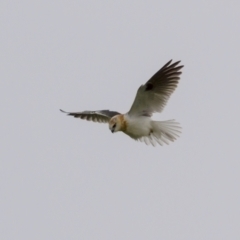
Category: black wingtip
[175,65]
[63,111]
[168,63]
[68,113]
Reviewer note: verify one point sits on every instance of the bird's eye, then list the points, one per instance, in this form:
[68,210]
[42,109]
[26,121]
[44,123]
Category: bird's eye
[114,125]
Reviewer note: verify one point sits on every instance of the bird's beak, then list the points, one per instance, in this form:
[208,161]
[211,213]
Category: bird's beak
[112,130]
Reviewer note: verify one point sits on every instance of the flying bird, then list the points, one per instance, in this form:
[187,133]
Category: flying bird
[150,98]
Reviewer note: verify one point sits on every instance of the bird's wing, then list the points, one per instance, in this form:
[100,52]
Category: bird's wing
[102,116]
[154,94]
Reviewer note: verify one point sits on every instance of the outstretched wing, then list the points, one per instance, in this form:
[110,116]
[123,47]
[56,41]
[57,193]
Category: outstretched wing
[102,116]
[154,94]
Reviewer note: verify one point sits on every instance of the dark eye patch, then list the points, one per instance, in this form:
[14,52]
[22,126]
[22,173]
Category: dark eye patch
[114,125]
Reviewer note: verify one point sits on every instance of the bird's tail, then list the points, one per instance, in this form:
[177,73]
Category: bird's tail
[165,131]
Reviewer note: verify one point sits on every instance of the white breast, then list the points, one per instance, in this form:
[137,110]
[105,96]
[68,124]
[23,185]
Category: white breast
[138,126]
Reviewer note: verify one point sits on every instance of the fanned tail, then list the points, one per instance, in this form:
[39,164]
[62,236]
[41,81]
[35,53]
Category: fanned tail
[162,132]
[165,131]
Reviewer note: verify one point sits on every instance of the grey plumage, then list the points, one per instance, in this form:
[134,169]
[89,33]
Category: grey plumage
[101,116]
[154,94]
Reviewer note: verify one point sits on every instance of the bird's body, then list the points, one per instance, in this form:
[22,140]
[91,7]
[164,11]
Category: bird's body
[136,127]
[151,97]
[143,128]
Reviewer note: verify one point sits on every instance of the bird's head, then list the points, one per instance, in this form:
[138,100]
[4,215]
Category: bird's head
[115,123]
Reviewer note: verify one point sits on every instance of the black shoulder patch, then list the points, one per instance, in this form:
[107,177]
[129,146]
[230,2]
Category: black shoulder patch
[149,86]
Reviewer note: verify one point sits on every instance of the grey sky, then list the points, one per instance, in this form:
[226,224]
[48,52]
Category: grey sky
[62,178]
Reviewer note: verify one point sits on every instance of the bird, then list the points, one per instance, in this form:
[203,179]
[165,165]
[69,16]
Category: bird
[151,98]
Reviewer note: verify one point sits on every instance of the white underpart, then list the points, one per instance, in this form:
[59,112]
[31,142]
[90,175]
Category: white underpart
[152,132]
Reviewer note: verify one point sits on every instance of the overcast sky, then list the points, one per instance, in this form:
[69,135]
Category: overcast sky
[65,178]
